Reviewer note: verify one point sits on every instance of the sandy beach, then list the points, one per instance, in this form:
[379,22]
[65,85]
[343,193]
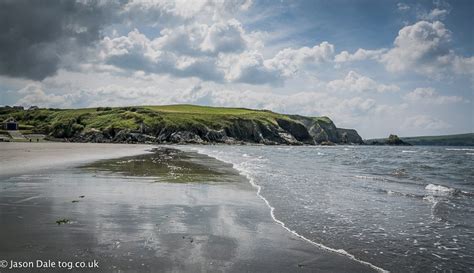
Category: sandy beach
[183,212]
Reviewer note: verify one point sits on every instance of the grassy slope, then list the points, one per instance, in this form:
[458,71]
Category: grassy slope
[69,121]
[461,139]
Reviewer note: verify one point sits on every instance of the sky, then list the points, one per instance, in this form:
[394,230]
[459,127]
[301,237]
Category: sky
[380,67]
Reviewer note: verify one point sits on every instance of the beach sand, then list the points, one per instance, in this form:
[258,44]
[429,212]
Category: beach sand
[190,213]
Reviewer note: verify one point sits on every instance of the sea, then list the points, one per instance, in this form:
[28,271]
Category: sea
[401,209]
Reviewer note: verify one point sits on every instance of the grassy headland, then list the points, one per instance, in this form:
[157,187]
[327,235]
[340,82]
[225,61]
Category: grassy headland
[178,123]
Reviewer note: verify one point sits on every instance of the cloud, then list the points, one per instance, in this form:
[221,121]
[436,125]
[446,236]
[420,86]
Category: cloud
[430,96]
[210,53]
[201,39]
[434,14]
[463,65]
[423,46]
[36,36]
[37,39]
[135,52]
[225,37]
[33,94]
[403,7]
[359,55]
[164,13]
[249,67]
[289,61]
[425,122]
[355,82]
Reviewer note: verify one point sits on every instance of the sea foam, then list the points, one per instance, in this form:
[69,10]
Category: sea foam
[247,173]
[439,189]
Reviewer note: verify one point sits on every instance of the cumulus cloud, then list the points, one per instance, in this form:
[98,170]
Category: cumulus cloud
[290,60]
[425,122]
[221,52]
[37,39]
[360,55]
[463,65]
[225,37]
[33,94]
[430,96]
[36,36]
[136,52]
[355,82]
[249,67]
[423,46]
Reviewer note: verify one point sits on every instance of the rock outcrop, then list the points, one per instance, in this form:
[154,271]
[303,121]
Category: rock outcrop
[393,140]
[297,130]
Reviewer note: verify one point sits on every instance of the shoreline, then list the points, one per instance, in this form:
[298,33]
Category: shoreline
[295,233]
[24,157]
[188,227]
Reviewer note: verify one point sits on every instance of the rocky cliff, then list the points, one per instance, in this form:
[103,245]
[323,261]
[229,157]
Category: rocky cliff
[183,124]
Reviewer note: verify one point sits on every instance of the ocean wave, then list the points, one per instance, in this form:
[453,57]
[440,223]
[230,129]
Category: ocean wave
[399,172]
[397,193]
[367,177]
[459,149]
[241,168]
[440,189]
[409,151]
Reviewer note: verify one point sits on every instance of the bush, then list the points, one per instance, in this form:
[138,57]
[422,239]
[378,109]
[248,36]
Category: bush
[65,129]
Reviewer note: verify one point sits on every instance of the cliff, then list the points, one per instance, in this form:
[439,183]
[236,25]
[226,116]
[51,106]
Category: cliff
[180,124]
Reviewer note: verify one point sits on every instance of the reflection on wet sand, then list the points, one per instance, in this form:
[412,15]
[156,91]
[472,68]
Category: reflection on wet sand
[130,223]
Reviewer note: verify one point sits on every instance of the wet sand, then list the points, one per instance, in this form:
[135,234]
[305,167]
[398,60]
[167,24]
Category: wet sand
[192,213]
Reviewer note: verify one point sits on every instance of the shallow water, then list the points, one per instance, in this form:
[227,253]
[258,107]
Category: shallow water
[399,208]
[202,216]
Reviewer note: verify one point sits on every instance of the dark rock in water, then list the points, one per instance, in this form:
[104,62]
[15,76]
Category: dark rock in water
[391,140]
[395,140]
[62,221]
[327,143]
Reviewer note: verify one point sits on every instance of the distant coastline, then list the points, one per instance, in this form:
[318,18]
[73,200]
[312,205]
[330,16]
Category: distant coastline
[443,140]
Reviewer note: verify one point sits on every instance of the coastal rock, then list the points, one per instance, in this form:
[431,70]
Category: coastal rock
[391,140]
[395,140]
[126,136]
[185,137]
[92,135]
[349,136]
[297,130]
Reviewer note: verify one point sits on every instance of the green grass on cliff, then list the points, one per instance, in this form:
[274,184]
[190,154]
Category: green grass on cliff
[67,122]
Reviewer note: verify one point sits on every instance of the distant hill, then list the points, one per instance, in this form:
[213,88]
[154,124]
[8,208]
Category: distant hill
[445,140]
[179,124]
